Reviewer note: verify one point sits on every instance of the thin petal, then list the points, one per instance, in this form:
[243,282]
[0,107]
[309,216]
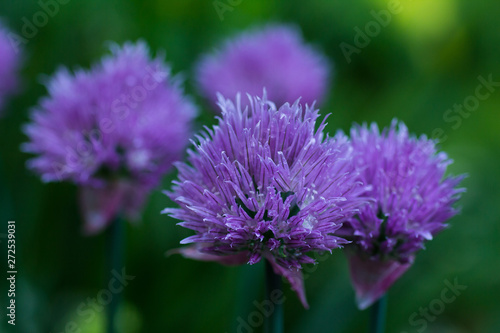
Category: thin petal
[294,277]
[193,252]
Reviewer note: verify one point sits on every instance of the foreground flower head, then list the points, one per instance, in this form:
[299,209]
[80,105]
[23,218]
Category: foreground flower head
[412,200]
[115,130]
[265,183]
[10,60]
[274,57]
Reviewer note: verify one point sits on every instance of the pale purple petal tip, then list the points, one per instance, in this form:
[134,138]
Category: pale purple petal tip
[372,278]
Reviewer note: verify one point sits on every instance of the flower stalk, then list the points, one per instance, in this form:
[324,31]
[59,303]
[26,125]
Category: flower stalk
[115,241]
[275,321]
[378,314]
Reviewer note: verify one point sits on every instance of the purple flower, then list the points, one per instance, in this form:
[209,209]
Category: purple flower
[411,201]
[274,57]
[115,130]
[9,65]
[265,183]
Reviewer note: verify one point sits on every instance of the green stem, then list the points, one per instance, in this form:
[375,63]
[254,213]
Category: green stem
[377,315]
[274,322]
[246,290]
[115,239]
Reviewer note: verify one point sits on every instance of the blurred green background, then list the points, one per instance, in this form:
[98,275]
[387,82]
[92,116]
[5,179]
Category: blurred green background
[427,59]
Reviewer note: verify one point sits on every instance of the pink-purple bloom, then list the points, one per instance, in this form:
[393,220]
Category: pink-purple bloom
[411,201]
[274,57]
[265,183]
[10,61]
[114,130]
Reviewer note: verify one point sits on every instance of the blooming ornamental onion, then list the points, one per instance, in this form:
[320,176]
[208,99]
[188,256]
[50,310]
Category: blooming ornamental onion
[412,200]
[114,130]
[274,57]
[264,183]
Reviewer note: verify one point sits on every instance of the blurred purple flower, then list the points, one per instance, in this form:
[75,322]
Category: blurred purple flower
[265,183]
[411,202]
[274,57]
[115,130]
[10,61]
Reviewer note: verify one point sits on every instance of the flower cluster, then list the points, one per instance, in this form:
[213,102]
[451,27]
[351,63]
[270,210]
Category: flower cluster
[9,65]
[411,202]
[265,183]
[114,130]
[274,57]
